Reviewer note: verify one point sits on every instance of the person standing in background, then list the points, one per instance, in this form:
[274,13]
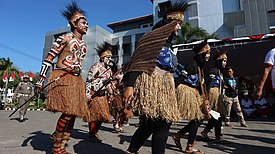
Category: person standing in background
[24,91]
[231,93]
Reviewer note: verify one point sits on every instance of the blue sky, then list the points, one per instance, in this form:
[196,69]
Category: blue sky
[25,22]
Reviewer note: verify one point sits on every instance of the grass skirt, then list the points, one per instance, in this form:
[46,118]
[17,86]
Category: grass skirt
[154,96]
[189,102]
[118,107]
[216,100]
[67,95]
[99,109]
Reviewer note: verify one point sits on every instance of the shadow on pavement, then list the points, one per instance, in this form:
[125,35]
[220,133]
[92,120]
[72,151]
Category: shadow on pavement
[39,141]
[18,119]
[255,138]
[237,148]
[85,147]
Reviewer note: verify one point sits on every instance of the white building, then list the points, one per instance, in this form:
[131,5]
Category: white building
[227,18]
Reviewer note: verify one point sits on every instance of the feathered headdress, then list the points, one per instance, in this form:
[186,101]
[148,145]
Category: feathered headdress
[73,13]
[176,12]
[104,49]
[173,12]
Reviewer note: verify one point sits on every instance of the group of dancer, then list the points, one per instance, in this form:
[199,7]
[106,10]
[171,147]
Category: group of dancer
[149,85]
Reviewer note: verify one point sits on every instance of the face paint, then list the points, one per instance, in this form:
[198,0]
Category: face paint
[82,26]
[207,57]
[224,62]
[177,28]
[106,60]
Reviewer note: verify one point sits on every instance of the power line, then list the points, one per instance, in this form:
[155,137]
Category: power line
[19,52]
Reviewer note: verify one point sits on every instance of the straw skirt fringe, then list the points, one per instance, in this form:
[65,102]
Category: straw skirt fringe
[189,102]
[118,107]
[99,109]
[154,96]
[216,100]
[67,95]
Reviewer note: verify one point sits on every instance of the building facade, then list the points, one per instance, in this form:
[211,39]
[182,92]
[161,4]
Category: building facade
[227,18]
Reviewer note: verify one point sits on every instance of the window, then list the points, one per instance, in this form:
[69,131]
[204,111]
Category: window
[271,17]
[126,49]
[126,46]
[115,49]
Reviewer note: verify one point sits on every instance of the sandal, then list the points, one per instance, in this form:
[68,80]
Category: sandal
[120,130]
[176,141]
[195,151]
[190,149]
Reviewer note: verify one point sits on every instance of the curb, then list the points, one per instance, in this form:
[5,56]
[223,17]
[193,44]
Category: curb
[27,109]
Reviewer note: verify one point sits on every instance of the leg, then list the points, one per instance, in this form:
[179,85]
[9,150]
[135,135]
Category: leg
[209,126]
[93,131]
[218,126]
[218,134]
[192,137]
[61,128]
[141,135]
[238,109]
[228,102]
[23,109]
[67,133]
[180,134]
[160,136]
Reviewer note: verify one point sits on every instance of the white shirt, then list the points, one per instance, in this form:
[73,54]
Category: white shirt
[270,60]
[261,102]
[246,104]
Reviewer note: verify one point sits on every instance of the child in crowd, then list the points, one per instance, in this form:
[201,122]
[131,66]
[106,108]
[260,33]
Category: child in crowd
[263,108]
[247,105]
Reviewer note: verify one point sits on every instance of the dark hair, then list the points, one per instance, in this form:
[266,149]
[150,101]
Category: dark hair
[100,48]
[197,48]
[71,9]
[217,54]
[229,68]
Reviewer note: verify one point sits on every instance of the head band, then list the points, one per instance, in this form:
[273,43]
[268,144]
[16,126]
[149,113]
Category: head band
[76,16]
[106,53]
[204,49]
[175,16]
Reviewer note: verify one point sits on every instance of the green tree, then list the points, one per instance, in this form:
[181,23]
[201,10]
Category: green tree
[190,34]
[7,68]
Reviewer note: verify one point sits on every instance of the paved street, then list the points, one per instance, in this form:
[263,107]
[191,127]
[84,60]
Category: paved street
[33,137]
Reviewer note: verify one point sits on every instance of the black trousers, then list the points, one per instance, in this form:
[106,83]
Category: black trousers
[158,128]
[192,129]
[216,124]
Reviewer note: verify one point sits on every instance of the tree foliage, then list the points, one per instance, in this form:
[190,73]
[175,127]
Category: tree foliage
[190,34]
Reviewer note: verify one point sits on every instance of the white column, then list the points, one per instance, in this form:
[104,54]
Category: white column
[133,43]
[120,53]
